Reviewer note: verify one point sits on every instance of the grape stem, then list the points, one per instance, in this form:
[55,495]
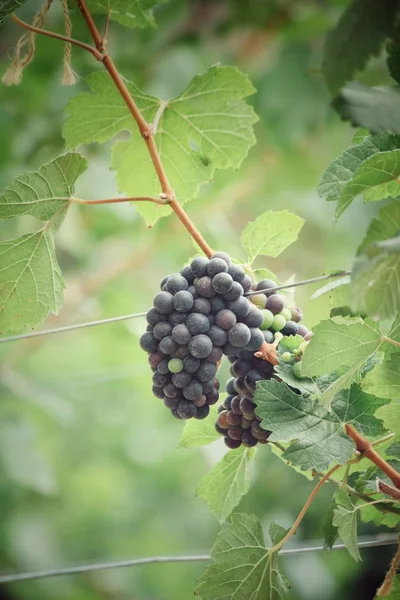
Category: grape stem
[365,448]
[144,128]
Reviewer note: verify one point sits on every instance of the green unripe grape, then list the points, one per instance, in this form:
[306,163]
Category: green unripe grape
[278,322]
[297,370]
[287,313]
[175,365]
[287,358]
[259,300]
[278,337]
[268,318]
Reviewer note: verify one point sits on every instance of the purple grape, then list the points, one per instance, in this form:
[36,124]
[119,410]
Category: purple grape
[225,319]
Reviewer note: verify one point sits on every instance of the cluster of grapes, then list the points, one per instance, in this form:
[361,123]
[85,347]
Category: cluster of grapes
[237,420]
[200,314]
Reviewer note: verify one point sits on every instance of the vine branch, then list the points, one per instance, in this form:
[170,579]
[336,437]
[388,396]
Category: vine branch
[144,128]
[365,448]
[387,584]
[58,36]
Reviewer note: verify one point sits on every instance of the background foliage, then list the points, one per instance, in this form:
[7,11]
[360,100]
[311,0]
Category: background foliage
[89,462]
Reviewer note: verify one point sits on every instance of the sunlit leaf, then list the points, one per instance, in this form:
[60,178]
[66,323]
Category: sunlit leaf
[270,233]
[370,514]
[242,567]
[131,13]
[345,519]
[223,488]
[359,34]
[390,415]
[384,380]
[44,192]
[200,432]
[384,227]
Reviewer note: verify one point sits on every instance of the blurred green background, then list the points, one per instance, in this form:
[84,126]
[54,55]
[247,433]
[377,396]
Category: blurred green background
[88,459]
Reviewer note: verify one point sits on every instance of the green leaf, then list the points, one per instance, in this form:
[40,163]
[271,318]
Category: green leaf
[339,344]
[30,280]
[291,342]
[207,127]
[390,415]
[359,34]
[370,514]
[131,13]
[305,385]
[342,281]
[375,287]
[329,530]
[360,135]
[200,432]
[384,227]
[345,519]
[223,488]
[384,380]
[9,6]
[243,567]
[343,168]
[376,179]
[264,273]
[319,434]
[270,233]
[377,109]
[44,192]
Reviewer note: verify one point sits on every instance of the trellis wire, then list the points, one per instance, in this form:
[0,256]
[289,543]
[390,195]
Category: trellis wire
[13,578]
[32,334]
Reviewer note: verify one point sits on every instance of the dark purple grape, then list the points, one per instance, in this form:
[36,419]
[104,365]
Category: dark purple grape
[302,330]
[154,359]
[246,355]
[161,379]
[215,266]
[247,407]
[236,272]
[235,433]
[177,318]
[246,283]
[163,366]
[239,335]
[258,432]
[165,279]
[193,390]
[157,391]
[291,328]
[230,350]
[171,402]
[153,317]
[225,257]
[240,368]
[200,346]
[227,403]
[235,292]
[148,342]
[212,397]
[183,301]
[232,418]
[175,413]
[206,371]
[220,429]
[177,283]
[248,439]
[198,323]
[186,409]
[191,364]
[199,266]
[266,284]
[217,304]
[181,380]
[297,314]
[230,388]
[182,352]
[181,334]
[202,305]
[202,412]
[171,391]
[235,405]
[275,303]
[192,290]
[200,401]
[162,329]
[167,345]
[188,274]
[241,307]
[204,287]
[163,303]
[149,328]
[268,336]
[256,339]
[215,355]
[264,367]
[225,319]
[218,336]
[245,423]
[232,444]
[222,283]
[251,379]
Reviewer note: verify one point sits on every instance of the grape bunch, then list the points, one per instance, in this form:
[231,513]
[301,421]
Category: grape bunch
[199,315]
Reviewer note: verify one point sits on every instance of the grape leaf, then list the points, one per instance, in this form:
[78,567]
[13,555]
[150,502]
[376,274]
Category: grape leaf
[329,530]
[370,514]
[330,286]
[209,126]
[384,380]
[243,567]
[200,432]
[339,344]
[345,519]
[305,385]
[319,434]
[228,481]
[342,169]
[375,287]
[131,13]
[270,233]
[264,273]
[44,192]
[385,227]
[377,109]
[30,280]
[359,34]
[390,415]
[9,6]
[376,179]
[360,135]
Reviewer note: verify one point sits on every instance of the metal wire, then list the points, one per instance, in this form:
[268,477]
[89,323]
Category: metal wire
[13,578]
[300,283]
[32,334]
